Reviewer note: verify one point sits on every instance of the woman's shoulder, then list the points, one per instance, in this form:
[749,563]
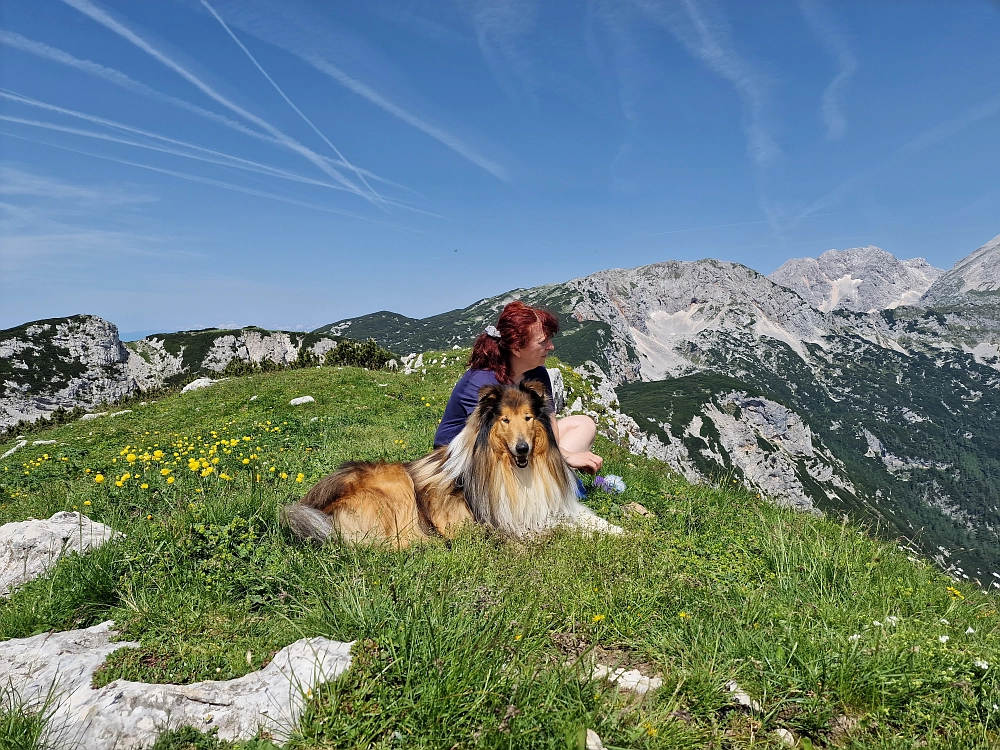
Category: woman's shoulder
[480,377]
[473,380]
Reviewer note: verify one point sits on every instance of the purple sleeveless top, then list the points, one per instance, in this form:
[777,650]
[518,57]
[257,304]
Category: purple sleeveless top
[465,396]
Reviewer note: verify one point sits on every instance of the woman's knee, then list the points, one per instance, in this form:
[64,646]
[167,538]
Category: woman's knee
[577,433]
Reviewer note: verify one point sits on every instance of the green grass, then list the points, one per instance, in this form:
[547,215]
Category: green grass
[484,642]
[23,724]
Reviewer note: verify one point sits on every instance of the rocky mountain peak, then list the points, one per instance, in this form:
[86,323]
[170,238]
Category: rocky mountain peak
[974,279]
[861,279]
[60,362]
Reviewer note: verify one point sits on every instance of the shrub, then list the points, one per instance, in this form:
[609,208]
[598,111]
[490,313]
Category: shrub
[349,353]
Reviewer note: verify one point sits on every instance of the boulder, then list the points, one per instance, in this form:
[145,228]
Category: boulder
[198,384]
[28,549]
[124,714]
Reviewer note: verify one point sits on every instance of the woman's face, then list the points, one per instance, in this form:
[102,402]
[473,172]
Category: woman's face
[539,347]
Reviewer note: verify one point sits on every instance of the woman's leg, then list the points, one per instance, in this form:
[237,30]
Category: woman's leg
[576,433]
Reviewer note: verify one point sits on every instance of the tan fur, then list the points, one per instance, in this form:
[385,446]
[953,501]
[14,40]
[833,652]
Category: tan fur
[503,470]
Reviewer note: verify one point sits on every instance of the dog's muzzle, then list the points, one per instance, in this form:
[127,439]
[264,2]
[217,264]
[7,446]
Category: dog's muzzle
[521,451]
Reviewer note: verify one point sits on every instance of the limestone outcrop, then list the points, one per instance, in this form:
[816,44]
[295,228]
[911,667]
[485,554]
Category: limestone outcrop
[124,714]
[29,549]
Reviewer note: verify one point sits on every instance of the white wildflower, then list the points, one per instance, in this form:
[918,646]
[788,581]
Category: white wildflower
[981,664]
[970,631]
[855,637]
[945,622]
[892,620]
[943,638]
[876,623]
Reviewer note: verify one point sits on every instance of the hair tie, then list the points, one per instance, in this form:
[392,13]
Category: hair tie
[492,332]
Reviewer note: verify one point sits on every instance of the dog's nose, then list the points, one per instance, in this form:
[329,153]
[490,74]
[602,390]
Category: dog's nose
[521,448]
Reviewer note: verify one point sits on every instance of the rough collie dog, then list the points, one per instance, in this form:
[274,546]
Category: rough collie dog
[503,470]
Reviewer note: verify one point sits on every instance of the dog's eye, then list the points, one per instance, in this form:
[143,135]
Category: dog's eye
[527,419]
[505,420]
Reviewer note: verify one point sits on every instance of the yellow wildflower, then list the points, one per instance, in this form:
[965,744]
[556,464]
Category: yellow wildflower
[99,478]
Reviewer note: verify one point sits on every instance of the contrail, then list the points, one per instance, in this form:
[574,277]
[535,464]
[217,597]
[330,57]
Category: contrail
[121,79]
[277,88]
[230,160]
[222,159]
[98,15]
[216,183]
[377,99]
[225,161]
[928,138]
[823,24]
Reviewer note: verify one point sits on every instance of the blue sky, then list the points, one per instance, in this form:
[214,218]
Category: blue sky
[182,164]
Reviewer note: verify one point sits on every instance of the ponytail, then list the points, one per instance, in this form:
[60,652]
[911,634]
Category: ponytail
[514,329]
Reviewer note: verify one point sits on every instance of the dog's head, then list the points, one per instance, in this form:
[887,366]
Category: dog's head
[515,421]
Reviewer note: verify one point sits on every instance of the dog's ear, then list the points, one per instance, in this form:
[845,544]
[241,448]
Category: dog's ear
[536,387]
[536,391]
[489,396]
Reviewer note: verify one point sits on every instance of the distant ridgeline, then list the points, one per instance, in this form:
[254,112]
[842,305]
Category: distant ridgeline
[50,367]
[855,382]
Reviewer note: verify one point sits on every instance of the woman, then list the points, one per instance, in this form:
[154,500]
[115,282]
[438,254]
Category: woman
[512,351]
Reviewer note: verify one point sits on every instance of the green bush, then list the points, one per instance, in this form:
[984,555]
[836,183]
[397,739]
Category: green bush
[349,353]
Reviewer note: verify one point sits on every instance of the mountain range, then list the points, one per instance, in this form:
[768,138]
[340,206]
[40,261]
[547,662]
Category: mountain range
[852,383]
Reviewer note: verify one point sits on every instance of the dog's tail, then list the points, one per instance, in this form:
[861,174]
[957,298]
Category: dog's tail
[307,523]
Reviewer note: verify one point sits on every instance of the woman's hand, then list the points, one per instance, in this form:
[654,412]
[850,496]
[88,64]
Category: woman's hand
[585,461]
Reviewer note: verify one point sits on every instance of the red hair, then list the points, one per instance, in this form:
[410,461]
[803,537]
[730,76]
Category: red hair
[516,325]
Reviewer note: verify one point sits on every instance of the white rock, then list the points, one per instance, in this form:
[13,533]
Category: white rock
[627,679]
[17,445]
[785,737]
[119,413]
[43,442]
[558,388]
[594,741]
[124,714]
[92,415]
[739,696]
[195,385]
[28,549]
[254,398]
[301,400]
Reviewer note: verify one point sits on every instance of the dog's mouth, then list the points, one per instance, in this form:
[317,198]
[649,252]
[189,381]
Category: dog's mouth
[520,461]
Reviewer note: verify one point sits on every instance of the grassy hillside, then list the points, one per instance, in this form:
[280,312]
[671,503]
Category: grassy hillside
[483,643]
